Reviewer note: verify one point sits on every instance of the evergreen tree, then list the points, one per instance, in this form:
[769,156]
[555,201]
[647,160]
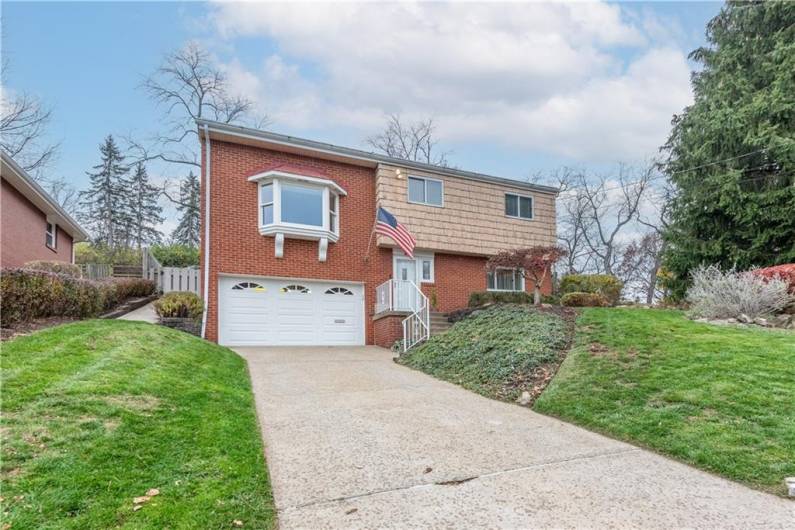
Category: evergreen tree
[187,231]
[144,208]
[731,153]
[104,205]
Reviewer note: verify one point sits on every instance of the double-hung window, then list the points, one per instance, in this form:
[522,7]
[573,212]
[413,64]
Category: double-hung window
[266,203]
[518,206]
[50,235]
[505,280]
[426,191]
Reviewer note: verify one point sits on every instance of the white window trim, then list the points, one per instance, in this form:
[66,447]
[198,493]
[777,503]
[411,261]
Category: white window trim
[53,233]
[425,190]
[495,290]
[330,190]
[518,208]
[397,254]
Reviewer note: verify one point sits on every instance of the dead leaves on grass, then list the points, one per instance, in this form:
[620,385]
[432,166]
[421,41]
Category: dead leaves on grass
[138,502]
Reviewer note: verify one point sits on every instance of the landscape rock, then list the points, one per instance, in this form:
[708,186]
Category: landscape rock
[782,321]
[759,321]
[745,319]
[790,482]
[525,398]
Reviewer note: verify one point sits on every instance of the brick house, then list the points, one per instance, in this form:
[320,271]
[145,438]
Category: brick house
[34,226]
[288,254]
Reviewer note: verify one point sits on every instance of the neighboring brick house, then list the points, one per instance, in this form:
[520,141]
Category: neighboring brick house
[292,255]
[34,226]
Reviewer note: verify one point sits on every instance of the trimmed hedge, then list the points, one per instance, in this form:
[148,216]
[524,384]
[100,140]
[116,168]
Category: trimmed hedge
[58,267]
[605,284]
[584,300]
[28,294]
[499,297]
[179,304]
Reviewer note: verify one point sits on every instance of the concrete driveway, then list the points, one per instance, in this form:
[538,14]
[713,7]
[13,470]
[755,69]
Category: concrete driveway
[355,441]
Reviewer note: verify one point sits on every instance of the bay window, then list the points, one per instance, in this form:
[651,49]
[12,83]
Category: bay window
[298,206]
[505,280]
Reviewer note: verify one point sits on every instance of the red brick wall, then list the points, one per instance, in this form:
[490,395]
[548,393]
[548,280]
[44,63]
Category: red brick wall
[236,247]
[387,330]
[456,277]
[22,232]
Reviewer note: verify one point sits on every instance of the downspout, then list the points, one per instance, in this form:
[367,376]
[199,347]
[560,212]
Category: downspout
[206,280]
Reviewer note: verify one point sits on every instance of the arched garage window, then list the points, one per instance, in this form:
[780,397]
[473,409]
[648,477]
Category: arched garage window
[339,290]
[295,289]
[247,285]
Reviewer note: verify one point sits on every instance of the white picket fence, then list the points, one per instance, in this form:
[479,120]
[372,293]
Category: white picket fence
[169,279]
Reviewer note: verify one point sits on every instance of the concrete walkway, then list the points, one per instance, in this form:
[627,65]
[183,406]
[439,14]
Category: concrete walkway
[355,441]
[144,314]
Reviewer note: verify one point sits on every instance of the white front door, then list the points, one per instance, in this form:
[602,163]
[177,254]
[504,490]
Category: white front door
[406,278]
[265,312]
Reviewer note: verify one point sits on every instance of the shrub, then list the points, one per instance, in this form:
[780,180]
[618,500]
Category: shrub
[718,294]
[605,284]
[28,294]
[179,304]
[584,300]
[86,252]
[176,255]
[501,297]
[782,272]
[58,267]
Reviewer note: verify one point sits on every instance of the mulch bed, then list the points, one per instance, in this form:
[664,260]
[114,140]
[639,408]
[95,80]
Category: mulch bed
[26,328]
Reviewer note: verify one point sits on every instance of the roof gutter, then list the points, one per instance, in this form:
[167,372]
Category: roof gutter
[206,279]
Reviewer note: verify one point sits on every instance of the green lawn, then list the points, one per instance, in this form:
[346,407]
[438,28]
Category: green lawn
[96,413]
[498,352]
[719,398]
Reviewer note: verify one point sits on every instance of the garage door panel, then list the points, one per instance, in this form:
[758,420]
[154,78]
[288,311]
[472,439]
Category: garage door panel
[290,312]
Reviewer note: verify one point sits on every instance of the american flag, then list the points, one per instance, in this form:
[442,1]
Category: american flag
[387,225]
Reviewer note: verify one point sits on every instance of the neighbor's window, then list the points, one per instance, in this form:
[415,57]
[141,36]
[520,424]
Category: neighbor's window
[505,280]
[518,206]
[302,205]
[425,191]
[50,238]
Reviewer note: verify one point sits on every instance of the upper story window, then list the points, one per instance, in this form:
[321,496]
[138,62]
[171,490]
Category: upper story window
[50,235]
[424,190]
[518,206]
[505,280]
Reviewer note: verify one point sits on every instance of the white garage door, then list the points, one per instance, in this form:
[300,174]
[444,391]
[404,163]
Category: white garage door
[259,312]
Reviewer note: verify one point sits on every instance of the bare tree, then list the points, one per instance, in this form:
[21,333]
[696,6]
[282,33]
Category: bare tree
[188,86]
[63,193]
[610,213]
[23,125]
[653,245]
[413,141]
[639,264]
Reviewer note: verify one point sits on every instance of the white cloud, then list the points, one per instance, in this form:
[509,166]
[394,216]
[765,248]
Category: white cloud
[544,77]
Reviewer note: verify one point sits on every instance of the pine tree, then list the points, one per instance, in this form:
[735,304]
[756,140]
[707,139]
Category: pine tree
[732,152]
[187,231]
[104,205]
[144,208]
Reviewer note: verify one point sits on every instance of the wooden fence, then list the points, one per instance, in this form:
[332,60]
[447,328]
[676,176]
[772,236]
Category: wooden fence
[169,279]
[96,271]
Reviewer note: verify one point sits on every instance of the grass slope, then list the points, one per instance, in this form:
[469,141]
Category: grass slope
[95,413]
[497,352]
[720,398]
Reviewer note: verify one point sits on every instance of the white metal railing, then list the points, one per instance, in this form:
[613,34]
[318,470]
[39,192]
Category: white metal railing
[397,295]
[402,295]
[417,326]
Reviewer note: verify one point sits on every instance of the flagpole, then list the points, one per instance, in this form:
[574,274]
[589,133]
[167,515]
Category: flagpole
[370,241]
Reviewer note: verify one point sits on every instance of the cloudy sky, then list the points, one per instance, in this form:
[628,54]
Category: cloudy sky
[514,88]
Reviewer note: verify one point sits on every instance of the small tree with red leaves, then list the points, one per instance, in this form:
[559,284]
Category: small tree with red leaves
[533,264]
